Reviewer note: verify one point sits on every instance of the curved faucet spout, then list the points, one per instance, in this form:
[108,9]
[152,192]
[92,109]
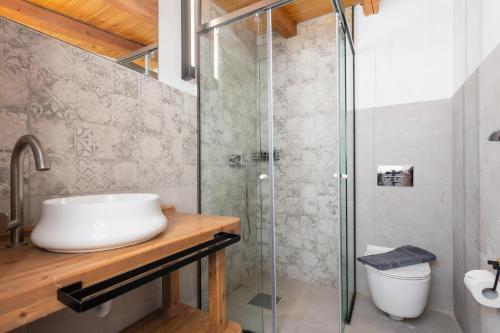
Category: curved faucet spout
[16,183]
[41,160]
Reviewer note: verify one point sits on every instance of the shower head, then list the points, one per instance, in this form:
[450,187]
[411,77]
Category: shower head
[495,136]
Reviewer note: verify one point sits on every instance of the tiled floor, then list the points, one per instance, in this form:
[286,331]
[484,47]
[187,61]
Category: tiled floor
[304,308]
[368,319]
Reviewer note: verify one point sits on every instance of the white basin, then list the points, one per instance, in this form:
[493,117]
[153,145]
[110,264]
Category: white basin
[98,222]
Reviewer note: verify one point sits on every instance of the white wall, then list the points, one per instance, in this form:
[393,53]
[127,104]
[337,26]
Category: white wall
[476,34]
[415,51]
[170,48]
[404,53]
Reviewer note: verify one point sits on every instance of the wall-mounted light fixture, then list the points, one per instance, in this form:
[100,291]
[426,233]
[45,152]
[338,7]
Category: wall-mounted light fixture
[188,12]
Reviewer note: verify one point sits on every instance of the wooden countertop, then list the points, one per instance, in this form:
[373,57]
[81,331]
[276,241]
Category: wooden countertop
[30,277]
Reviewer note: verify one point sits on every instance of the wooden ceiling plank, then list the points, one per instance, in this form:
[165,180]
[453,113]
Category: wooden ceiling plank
[135,20]
[66,29]
[145,10]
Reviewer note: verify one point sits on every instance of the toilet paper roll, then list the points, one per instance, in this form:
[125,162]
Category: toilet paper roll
[479,283]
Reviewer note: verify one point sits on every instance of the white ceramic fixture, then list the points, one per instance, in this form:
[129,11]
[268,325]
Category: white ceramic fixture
[480,283]
[98,222]
[400,292]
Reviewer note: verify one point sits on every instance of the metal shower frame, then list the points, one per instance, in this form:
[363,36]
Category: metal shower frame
[262,6]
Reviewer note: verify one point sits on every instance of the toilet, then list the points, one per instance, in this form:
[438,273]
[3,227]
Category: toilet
[400,292]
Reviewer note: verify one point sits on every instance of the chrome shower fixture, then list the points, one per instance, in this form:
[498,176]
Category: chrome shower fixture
[236,161]
[264,155]
[495,136]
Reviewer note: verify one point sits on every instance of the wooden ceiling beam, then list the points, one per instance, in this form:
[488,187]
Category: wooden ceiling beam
[66,29]
[371,7]
[283,23]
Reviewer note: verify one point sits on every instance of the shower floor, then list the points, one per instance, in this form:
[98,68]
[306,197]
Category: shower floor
[303,307]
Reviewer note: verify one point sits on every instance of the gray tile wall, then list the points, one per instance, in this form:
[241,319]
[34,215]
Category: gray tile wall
[476,203]
[489,160]
[466,206]
[106,129]
[417,134]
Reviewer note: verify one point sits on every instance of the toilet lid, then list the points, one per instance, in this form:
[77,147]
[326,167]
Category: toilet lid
[413,272]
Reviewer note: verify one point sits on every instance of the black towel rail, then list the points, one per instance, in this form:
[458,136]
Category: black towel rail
[82,299]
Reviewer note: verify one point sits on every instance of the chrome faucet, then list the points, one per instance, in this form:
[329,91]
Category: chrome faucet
[16,224]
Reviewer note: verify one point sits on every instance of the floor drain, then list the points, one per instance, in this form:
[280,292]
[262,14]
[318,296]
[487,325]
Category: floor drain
[263,300]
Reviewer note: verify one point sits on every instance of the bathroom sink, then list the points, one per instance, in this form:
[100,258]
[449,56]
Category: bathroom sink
[98,222]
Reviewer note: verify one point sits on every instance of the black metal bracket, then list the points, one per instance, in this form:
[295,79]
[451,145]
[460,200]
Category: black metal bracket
[82,299]
[496,265]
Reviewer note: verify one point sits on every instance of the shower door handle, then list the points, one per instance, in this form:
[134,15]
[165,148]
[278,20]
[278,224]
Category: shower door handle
[342,176]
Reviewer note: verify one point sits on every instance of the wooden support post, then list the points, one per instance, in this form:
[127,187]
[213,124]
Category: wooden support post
[217,291]
[171,293]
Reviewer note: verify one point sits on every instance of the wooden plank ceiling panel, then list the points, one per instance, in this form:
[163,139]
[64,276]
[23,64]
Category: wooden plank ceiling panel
[298,11]
[66,29]
[135,20]
[114,28]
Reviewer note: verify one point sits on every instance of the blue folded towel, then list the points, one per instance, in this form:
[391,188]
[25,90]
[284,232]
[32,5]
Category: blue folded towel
[402,256]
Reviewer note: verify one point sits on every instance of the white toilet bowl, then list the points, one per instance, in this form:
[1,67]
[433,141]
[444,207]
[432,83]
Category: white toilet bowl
[400,292]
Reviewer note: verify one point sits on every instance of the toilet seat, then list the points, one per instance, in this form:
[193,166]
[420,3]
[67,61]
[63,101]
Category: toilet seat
[413,272]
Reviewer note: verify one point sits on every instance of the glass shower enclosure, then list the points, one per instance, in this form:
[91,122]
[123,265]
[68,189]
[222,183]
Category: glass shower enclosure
[346,174]
[276,149]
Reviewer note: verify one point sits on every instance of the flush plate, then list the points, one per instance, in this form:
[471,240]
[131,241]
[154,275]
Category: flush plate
[395,175]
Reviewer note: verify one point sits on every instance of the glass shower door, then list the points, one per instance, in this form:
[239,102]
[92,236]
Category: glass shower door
[232,163]
[346,173]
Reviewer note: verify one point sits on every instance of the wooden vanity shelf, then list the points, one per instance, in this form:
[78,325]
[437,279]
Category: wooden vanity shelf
[31,279]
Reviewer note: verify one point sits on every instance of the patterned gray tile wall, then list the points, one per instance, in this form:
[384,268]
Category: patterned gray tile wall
[305,134]
[106,128]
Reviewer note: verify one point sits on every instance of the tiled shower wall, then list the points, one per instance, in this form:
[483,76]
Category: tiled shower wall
[106,129]
[305,133]
[304,74]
